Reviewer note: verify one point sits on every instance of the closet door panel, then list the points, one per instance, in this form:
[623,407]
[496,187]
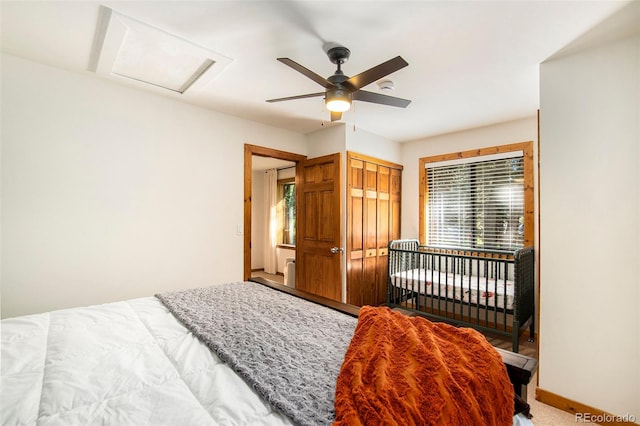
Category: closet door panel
[395,191]
[382,240]
[355,236]
[370,234]
[370,211]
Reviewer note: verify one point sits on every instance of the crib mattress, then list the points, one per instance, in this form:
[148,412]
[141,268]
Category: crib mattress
[464,288]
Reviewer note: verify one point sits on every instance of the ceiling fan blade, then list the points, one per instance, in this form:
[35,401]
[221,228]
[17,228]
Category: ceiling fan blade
[376,73]
[336,115]
[290,98]
[307,72]
[377,98]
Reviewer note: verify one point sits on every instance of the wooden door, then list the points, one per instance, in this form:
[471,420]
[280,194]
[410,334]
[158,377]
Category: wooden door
[319,238]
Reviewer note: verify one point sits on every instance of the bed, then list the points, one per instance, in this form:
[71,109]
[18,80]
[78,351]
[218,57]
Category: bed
[233,354]
[489,290]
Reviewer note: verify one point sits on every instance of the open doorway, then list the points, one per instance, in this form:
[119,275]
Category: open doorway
[273,219]
[257,161]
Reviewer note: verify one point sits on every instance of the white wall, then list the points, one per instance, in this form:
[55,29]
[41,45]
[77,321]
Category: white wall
[590,232]
[343,137]
[367,143]
[522,130]
[326,141]
[110,192]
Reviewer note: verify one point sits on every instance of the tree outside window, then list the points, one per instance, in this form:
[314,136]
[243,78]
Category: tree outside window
[287,212]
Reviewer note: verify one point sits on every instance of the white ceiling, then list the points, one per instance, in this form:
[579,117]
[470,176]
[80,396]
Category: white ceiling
[471,63]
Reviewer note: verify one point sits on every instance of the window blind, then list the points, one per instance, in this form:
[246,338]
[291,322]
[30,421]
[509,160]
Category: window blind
[476,204]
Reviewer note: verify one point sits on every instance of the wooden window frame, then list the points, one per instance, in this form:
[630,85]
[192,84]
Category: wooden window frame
[527,150]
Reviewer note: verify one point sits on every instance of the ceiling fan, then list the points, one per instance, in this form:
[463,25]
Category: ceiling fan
[341,90]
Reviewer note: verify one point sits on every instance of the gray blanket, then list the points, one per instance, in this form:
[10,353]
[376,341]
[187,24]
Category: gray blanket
[288,349]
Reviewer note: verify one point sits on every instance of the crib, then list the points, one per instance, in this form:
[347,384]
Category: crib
[489,290]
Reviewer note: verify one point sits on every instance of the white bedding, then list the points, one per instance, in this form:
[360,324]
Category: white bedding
[468,288]
[125,363]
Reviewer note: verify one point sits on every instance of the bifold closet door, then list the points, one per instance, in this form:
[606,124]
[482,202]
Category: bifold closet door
[373,219]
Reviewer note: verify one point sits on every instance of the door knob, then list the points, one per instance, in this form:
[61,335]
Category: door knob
[335,250]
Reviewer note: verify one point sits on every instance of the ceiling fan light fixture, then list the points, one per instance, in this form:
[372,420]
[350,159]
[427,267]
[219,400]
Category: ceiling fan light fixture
[338,100]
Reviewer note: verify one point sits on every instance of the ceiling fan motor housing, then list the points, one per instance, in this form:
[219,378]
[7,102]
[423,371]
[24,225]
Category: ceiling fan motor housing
[338,55]
[338,78]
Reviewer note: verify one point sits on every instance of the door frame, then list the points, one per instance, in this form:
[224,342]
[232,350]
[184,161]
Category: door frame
[249,152]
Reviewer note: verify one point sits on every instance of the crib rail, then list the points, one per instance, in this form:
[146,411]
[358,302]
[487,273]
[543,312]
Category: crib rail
[489,290]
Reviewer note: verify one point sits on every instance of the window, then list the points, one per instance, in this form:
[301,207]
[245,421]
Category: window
[479,202]
[287,212]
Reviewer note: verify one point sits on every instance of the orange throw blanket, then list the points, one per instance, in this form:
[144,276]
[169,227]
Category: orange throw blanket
[401,370]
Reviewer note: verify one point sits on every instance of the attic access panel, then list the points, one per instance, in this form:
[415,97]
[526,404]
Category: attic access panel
[128,49]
